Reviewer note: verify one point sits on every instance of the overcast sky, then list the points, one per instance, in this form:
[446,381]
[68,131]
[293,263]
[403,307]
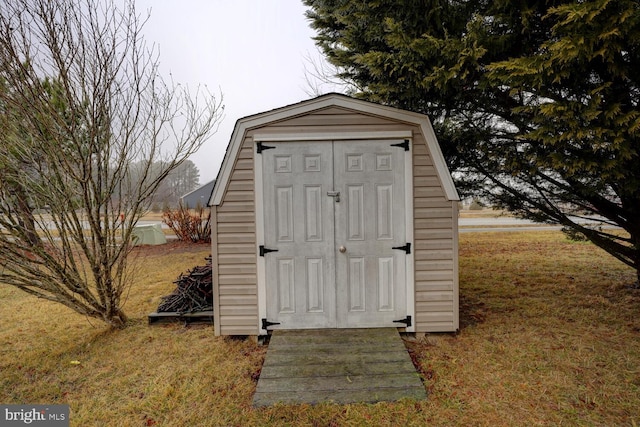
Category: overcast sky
[253,51]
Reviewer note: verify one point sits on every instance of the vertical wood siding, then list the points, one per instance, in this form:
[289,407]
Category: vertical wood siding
[236,308]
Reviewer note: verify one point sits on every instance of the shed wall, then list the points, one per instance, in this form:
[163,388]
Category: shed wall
[234,239]
[234,252]
[435,242]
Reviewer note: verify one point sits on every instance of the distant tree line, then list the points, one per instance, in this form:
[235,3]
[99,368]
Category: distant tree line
[180,181]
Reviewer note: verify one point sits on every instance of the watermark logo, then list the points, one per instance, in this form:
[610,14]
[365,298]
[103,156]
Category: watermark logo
[35,415]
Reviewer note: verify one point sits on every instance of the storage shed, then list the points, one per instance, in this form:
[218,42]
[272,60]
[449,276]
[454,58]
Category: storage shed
[334,213]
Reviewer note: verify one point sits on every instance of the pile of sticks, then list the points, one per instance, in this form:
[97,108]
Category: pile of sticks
[193,293]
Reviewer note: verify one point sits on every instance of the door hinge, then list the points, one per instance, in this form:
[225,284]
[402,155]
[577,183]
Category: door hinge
[406,321]
[264,250]
[404,145]
[266,324]
[406,248]
[260,147]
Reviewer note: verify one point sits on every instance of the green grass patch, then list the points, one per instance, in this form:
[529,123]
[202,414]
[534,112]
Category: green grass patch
[550,335]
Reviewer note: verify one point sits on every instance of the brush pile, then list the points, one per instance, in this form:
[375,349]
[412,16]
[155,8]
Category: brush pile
[193,293]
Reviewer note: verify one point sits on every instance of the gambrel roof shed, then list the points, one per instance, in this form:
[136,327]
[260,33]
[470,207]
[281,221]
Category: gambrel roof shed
[334,213]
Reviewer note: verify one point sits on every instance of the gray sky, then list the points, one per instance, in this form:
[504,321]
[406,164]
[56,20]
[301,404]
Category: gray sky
[253,51]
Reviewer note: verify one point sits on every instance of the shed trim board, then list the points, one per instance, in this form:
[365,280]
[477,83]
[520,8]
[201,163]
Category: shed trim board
[334,126]
[341,138]
[322,136]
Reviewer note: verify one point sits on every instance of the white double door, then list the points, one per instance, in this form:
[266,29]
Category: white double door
[333,213]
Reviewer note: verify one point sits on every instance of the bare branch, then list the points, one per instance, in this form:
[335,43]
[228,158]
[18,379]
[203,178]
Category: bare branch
[320,77]
[92,129]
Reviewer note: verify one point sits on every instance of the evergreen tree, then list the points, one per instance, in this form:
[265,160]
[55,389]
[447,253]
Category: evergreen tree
[535,103]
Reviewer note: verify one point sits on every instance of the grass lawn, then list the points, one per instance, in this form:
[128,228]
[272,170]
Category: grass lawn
[550,335]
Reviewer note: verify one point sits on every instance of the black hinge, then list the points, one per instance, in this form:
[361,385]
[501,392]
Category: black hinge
[406,321]
[266,324]
[264,250]
[404,145]
[260,147]
[406,248]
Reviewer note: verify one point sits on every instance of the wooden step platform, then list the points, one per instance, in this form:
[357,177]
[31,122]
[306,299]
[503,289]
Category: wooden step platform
[172,316]
[337,365]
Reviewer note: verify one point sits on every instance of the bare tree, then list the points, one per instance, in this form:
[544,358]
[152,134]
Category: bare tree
[81,102]
[322,77]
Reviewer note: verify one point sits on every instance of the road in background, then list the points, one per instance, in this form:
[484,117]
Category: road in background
[483,224]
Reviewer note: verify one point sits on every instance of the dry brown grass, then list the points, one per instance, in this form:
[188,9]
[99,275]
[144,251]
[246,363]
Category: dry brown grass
[550,335]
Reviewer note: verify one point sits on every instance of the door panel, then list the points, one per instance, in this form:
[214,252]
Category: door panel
[370,221]
[313,213]
[286,286]
[311,282]
[284,213]
[300,276]
[355,212]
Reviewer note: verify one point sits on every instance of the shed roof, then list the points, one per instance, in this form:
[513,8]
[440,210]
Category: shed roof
[200,195]
[325,101]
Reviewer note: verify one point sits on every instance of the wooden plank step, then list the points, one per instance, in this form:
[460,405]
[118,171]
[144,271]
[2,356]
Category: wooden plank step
[342,382]
[330,348]
[341,396]
[298,340]
[353,357]
[337,365]
[196,316]
[346,334]
[334,370]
